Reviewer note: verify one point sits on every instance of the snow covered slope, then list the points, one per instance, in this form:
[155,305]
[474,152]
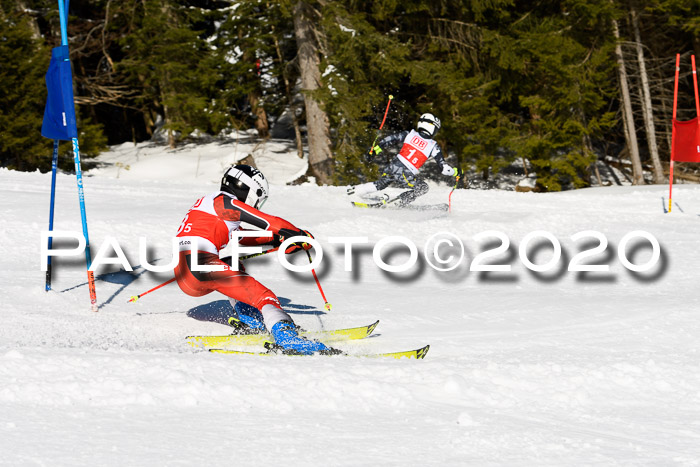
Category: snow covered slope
[525,368]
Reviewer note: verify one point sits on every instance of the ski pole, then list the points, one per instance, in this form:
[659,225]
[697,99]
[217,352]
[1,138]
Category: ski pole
[136,297]
[382,125]
[242,258]
[327,306]
[255,255]
[449,198]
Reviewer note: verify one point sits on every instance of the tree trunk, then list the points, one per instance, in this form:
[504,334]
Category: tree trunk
[290,99]
[320,155]
[297,133]
[646,104]
[627,117]
[588,148]
[261,123]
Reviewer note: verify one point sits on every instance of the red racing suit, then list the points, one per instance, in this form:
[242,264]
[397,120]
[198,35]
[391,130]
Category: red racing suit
[208,225]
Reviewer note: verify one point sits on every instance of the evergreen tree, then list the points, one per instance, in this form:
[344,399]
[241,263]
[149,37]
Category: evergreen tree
[165,59]
[249,70]
[510,80]
[561,81]
[361,69]
[24,62]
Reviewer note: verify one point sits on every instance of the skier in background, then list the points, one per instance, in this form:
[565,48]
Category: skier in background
[208,226]
[417,147]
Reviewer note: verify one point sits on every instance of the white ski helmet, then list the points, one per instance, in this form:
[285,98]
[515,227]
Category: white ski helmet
[428,125]
[247,184]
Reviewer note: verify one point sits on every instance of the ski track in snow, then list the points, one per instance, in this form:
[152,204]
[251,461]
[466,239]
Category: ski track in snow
[524,368]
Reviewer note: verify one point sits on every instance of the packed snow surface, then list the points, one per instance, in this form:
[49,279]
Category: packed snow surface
[525,368]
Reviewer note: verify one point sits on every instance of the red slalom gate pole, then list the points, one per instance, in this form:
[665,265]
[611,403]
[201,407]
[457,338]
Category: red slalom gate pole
[449,198]
[673,133]
[386,112]
[695,85]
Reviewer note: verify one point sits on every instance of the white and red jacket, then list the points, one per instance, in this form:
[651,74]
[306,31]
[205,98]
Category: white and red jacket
[415,151]
[210,221]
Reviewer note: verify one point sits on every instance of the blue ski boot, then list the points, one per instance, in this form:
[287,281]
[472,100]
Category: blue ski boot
[248,320]
[288,340]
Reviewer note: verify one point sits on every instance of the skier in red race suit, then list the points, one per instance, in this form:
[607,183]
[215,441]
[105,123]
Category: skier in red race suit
[418,146]
[207,227]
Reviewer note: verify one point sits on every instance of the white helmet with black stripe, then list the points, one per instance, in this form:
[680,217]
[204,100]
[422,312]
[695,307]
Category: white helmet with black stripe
[428,125]
[247,184]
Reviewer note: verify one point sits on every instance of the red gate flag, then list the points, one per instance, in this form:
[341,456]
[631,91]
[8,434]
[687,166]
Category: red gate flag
[685,136]
[686,141]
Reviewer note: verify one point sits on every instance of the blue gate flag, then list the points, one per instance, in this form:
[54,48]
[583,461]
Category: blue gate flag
[59,113]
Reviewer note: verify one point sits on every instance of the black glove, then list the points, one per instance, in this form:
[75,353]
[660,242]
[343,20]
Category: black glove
[284,234]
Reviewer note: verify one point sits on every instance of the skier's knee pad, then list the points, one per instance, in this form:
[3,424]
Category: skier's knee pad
[420,187]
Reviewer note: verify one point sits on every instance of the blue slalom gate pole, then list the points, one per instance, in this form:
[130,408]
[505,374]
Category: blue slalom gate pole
[62,14]
[62,11]
[54,166]
[83,217]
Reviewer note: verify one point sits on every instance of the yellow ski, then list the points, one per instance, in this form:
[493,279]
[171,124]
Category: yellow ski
[234,340]
[417,354]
